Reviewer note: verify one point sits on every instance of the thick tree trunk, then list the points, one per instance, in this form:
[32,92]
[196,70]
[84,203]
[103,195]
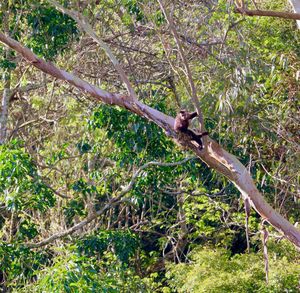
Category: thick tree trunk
[4,112]
[213,155]
[6,78]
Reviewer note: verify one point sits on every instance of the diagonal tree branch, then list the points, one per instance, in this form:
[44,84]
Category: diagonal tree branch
[214,156]
[296,7]
[75,227]
[114,201]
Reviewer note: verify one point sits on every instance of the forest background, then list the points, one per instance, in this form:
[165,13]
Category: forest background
[98,197]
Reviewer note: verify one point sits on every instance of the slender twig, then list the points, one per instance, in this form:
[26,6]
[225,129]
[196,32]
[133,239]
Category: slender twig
[24,89]
[265,236]
[186,66]
[55,191]
[152,163]
[247,215]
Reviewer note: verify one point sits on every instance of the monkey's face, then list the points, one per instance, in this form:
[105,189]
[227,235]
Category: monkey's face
[183,115]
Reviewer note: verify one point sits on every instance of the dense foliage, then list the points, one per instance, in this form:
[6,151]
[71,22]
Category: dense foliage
[215,271]
[180,227]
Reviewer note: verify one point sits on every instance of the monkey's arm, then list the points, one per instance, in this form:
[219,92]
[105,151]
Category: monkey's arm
[192,115]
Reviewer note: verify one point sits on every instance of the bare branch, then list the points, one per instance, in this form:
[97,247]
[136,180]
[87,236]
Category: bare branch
[152,163]
[186,66]
[265,236]
[112,202]
[55,191]
[76,227]
[4,111]
[6,77]
[84,24]
[25,89]
[286,15]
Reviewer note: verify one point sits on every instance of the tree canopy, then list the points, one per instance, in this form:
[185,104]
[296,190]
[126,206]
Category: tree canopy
[99,193]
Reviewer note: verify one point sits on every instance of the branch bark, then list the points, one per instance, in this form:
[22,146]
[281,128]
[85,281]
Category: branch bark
[214,155]
[286,15]
[296,7]
[6,79]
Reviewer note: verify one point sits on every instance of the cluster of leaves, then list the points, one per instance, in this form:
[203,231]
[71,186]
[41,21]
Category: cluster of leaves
[74,273]
[215,271]
[98,262]
[18,264]
[20,185]
[52,31]
[48,31]
[137,139]
[133,9]
[123,243]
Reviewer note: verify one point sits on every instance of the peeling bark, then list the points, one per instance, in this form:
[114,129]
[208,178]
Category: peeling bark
[214,155]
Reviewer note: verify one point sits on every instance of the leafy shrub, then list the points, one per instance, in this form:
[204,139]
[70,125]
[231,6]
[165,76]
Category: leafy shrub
[215,271]
[20,185]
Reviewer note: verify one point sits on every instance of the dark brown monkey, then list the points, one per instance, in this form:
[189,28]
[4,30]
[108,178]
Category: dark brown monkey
[182,122]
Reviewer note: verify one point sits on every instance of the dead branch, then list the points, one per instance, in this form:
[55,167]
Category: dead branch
[286,15]
[195,98]
[85,26]
[76,227]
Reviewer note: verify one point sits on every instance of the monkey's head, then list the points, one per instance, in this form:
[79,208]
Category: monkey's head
[182,120]
[184,114]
